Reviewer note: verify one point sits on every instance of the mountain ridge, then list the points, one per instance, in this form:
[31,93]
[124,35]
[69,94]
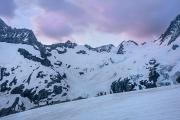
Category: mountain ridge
[34,75]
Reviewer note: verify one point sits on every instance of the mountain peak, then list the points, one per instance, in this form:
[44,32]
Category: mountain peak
[172,32]
[14,35]
[126,45]
[3,24]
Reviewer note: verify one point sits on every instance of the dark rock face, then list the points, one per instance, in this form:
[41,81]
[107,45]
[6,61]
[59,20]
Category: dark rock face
[174,47]
[42,94]
[12,108]
[123,44]
[3,26]
[101,93]
[59,63]
[29,78]
[153,74]
[81,52]
[4,86]
[40,74]
[121,49]
[13,82]
[29,93]
[67,44]
[81,73]
[90,48]
[57,89]
[172,32]
[79,98]
[147,84]
[29,56]
[104,48]
[56,79]
[2,70]
[178,79]
[62,52]
[122,85]
[152,77]
[3,73]
[18,89]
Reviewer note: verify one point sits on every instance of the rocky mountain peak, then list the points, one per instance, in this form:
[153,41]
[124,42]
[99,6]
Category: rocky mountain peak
[172,32]
[3,25]
[17,36]
[124,46]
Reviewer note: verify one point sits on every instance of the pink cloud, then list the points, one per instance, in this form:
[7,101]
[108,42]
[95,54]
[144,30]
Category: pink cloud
[53,25]
[139,19]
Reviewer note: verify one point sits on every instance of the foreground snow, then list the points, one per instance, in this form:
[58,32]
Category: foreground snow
[152,104]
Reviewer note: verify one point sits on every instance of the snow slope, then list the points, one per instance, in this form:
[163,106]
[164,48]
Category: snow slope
[152,104]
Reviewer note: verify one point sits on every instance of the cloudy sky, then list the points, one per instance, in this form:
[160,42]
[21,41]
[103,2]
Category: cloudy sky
[94,22]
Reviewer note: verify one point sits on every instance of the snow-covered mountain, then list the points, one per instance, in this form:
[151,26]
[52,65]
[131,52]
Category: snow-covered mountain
[33,74]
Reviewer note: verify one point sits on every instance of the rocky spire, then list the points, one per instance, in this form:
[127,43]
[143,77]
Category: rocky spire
[172,32]
[3,24]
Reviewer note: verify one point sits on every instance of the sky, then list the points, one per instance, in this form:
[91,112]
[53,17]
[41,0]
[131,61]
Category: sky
[93,22]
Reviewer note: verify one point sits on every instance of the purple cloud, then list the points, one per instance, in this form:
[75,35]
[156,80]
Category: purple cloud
[140,19]
[7,8]
[61,19]
[61,6]
[53,25]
